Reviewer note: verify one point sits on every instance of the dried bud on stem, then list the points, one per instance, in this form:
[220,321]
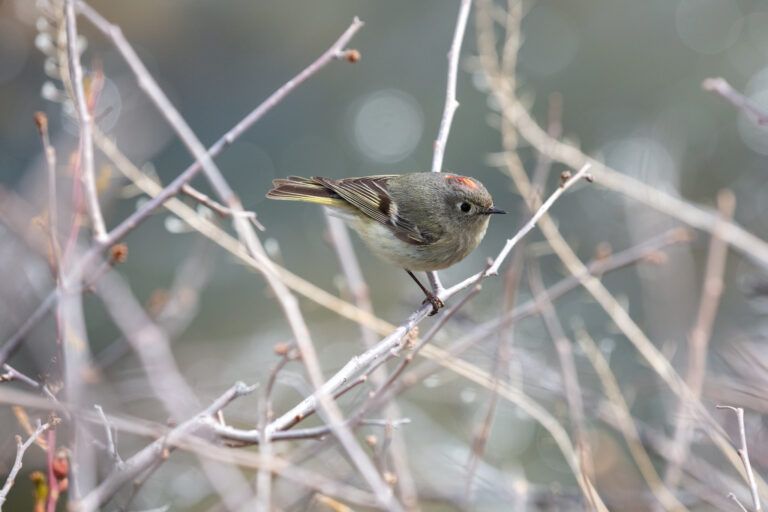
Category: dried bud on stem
[352,56]
[118,253]
[41,121]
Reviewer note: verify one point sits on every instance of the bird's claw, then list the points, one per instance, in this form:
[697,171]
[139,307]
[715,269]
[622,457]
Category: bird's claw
[436,303]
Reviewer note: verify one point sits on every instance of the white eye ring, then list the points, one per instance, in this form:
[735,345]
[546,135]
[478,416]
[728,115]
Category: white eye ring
[464,206]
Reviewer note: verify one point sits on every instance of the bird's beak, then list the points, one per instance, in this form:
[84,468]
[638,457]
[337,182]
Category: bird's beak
[493,210]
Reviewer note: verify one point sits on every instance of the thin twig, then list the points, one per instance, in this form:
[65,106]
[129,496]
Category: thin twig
[284,297]
[86,125]
[394,340]
[567,183]
[743,452]
[721,87]
[145,458]
[449,109]
[500,367]
[152,346]
[516,117]
[264,476]
[573,394]
[447,359]
[359,290]
[41,121]
[626,425]
[695,216]
[735,499]
[698,338]
[220,208]
[54,489]
[111,443]
[12,374]
[173,188]
[450,93]
[21,448]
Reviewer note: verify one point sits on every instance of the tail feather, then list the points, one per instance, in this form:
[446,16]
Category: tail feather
[296,188]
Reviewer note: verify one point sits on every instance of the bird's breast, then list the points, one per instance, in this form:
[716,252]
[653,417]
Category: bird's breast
[448,250]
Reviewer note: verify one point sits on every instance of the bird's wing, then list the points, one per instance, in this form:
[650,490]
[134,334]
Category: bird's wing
[370,196]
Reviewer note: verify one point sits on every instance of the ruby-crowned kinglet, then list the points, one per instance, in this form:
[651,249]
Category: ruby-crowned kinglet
[421,221]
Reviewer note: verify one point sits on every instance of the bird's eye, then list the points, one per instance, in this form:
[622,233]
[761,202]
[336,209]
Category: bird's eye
[465,207]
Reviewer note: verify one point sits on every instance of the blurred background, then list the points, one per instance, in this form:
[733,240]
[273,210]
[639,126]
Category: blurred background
[629,75]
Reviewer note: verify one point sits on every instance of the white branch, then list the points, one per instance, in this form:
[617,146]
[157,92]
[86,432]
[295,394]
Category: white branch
[512,242]
[743,452]
[86,126]
[392,342]
[450,94]
[21,448]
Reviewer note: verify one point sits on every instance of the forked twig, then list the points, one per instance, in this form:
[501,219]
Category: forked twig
[336,51]
[395,339]
[743,452]
[21,448]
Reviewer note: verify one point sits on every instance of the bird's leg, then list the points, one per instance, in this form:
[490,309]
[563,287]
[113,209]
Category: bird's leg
[434,282]
[431,297]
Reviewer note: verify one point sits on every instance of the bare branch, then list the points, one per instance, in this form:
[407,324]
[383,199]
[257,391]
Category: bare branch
[86,125]
[573,394]
[735,499]
[41,121]
[21,448]
[698,339]
[394,340]
[451,104]
[494,268]
[111,443]
[336,51]
[500,370]
[219,208]
[450,94]
[286,300]
[721,87]
[358,288]
[743,452]
[516,118]
[625,423]
[155,452]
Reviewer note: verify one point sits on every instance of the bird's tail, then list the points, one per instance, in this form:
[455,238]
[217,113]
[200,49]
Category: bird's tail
[296,188]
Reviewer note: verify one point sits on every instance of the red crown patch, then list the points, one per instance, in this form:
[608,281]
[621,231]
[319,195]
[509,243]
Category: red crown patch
[461,180]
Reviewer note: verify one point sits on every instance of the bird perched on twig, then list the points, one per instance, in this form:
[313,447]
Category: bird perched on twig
[421,221]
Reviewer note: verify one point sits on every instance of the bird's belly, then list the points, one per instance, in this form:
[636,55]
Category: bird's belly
[423,258]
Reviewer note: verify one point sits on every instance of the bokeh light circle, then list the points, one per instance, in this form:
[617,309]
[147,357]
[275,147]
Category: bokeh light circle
[708,26]
[387,125]
[549,43]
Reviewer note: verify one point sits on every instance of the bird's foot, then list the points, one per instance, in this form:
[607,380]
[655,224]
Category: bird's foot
[435,301]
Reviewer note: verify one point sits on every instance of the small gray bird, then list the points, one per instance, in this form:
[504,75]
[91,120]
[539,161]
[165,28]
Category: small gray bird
[422,221]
